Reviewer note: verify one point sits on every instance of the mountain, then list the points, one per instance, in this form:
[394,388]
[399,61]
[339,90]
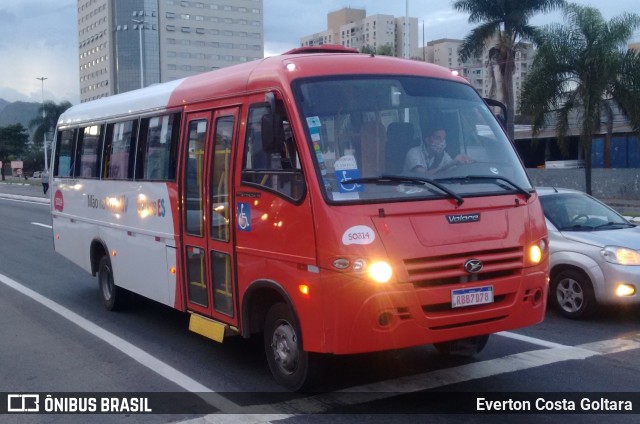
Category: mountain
[3,103]
[17,113]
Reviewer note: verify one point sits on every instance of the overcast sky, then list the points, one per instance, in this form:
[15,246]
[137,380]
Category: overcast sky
[39,37]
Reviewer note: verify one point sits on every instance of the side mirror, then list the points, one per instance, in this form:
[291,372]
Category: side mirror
[502,116]
[270,99]
[269,125]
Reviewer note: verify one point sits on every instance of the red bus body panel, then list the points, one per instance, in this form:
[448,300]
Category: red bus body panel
[343,313]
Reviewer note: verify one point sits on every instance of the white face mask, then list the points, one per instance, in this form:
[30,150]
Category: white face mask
[436,142]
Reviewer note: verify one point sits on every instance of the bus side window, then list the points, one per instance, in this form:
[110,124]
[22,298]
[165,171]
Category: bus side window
[89,145]
[255,158]
[65,149]
[157,148]
[118,151]
[270,156]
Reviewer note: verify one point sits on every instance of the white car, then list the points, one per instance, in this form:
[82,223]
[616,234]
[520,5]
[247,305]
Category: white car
[594,253]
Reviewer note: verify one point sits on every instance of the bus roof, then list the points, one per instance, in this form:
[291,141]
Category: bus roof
[265,74]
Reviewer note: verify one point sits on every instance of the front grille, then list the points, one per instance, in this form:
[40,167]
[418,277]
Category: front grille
[465,324]
[442,270]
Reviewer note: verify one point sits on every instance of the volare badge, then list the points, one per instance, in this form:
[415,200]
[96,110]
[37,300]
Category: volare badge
[463,218]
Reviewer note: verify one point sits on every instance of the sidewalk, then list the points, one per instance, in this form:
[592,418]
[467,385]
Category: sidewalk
[624,206]
[20,189]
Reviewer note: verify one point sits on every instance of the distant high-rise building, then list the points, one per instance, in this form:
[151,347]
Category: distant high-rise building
[126,44]
[353,28]
[479,71]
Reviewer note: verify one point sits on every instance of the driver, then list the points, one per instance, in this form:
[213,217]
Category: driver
[430,157]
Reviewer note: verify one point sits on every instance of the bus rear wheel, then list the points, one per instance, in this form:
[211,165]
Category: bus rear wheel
[112,296]
[291,366]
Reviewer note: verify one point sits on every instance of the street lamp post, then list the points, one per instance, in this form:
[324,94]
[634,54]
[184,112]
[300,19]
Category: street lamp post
[140,28]
[44,134]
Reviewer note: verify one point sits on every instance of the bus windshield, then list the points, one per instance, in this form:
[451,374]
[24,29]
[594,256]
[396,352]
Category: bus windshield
[394,138]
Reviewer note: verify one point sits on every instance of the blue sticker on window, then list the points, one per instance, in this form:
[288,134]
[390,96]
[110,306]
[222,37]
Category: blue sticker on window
[244,216]
[344,176]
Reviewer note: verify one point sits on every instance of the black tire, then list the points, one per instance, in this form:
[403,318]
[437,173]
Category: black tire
[463,347]
[291,366]
[113,297]
[572,294]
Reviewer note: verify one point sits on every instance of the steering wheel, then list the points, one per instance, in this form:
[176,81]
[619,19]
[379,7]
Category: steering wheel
[471,168]
[577,218]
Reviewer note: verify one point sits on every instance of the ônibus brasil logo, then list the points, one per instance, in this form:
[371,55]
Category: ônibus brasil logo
[58,201]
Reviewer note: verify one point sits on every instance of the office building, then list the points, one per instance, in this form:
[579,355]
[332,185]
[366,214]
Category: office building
[377,33]
[126,44]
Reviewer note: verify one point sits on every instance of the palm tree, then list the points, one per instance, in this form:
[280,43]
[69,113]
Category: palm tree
[503,25]
[584,66]
[45,124]
[51,114]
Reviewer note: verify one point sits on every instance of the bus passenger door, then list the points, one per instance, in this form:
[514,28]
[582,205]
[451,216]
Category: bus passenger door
[209,271]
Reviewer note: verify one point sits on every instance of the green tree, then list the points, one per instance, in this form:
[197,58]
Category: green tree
[13,143]
[45,125]
[584,66]
[504,24]
[33,159]
[367,49]
[386,50]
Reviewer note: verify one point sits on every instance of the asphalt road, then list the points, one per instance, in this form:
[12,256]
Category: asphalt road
[56,337]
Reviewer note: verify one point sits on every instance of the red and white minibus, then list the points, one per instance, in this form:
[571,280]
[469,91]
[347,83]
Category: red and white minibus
[273,197]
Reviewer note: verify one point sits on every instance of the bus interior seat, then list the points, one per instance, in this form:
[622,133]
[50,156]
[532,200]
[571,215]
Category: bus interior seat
[399,141]
[372,147]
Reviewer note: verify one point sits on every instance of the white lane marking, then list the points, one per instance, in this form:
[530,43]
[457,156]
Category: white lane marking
[528,339]
[162,368]
[323,403]
[42,225]
[237,419]
[430,380]
[326,402]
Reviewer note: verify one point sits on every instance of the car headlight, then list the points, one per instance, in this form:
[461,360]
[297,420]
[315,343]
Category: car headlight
[621,255]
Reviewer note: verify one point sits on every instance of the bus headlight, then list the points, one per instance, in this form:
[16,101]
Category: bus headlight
[537,251]
[376,270]
[380,271]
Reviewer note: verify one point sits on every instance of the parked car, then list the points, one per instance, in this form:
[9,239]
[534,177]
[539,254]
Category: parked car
[594,253]
[37,174]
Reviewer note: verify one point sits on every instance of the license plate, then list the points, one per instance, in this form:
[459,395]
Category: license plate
[470,297]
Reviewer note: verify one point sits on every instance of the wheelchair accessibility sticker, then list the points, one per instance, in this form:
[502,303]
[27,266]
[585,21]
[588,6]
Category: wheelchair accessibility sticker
[346,169]
[244,216]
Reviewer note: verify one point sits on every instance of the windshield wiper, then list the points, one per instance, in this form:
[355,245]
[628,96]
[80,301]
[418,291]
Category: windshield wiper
[393,179]
[612,224]
[577,227]
[471,178]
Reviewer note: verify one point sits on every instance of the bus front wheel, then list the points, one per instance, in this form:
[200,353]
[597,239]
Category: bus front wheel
[112,296]
[290,365]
